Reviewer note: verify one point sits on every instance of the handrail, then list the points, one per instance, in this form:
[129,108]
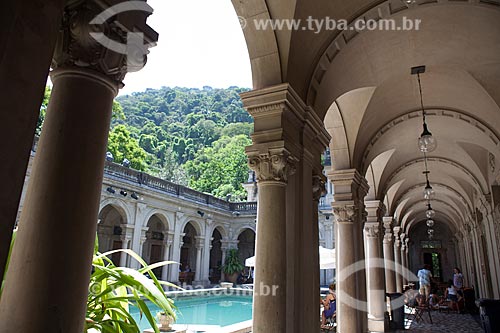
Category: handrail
[146,180]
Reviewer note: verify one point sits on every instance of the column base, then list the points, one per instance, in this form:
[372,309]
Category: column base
[376,325]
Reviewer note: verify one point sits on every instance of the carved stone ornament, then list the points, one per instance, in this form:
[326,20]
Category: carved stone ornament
[77,46]
[273,167]
[372,230]
[319,188]
[345,214]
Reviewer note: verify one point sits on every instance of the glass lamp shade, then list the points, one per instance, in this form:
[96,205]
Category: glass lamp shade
[430,213]
[430,231]
[430,223]
[427,143]
[429,193]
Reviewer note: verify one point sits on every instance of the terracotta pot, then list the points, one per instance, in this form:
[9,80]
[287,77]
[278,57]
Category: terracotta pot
[232,278]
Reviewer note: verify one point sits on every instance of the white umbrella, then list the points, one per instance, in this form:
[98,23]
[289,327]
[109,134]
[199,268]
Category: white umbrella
[326,259]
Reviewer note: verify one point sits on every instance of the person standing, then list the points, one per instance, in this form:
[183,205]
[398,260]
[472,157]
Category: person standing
[424,279]
[458,280]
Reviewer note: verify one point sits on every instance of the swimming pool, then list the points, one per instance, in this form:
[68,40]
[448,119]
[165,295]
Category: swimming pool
[218,310]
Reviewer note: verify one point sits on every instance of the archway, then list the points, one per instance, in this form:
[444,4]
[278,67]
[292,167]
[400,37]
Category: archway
[188,254]
[246,244]
[154,246]
[215,257]
[109,231]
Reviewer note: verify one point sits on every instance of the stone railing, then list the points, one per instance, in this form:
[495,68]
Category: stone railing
[143,179]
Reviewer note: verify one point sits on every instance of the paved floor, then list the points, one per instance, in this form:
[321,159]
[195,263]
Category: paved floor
[445,322]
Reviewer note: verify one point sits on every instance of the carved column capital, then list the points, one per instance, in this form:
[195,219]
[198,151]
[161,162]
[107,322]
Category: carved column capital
[318,184]
[275,165]
[372,229]
[345,213]
[108,40]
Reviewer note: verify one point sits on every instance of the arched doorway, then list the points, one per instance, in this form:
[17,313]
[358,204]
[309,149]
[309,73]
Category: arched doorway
[109,232]
[188,254]
[215,257]
[154,246]
[246,244]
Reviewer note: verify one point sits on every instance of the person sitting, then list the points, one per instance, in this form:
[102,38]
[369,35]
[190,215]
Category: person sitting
[329,306]
[451,295]
[434,301]
[187,269]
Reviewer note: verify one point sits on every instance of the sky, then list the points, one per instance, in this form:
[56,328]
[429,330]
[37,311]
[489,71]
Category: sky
[200,44]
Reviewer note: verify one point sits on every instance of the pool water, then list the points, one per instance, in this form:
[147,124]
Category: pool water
[221,310]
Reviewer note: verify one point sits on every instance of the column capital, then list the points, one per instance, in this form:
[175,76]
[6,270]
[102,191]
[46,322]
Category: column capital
[345,212]
[387,221]
[318,184]
[199,242]
[90,40]
[372,229]
[272,165]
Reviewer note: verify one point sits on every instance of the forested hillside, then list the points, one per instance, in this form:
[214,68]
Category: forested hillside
[190,136]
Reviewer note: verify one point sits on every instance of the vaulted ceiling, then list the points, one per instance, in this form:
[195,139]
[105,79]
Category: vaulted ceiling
[360,84]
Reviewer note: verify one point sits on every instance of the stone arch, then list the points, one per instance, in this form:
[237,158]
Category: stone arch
[112,218]
[168,225]
[246,243]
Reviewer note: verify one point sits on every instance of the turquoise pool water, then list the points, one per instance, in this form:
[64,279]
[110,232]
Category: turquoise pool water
[207,310]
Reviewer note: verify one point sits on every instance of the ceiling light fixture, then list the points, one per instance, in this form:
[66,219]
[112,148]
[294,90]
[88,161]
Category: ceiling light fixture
[427,142]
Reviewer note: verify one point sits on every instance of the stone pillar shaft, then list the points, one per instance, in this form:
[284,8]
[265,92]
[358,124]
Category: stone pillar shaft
[58,223]
[269,311]
[375,267]
[350,190]
[28,35]
[397,260]
[388,244]
[166,256]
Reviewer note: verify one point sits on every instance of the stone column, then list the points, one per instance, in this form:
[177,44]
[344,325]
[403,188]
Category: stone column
[390,277]
[397,260]
[50,266]
[123,256]
[375,267]
[169,239]
[288,139]
[407,261]
[272,170]
[28,37]
[199,248]
[140,210]
[350,190]
[404,280]
[224,248]
[126,237]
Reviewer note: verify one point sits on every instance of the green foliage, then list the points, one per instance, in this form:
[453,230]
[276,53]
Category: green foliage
[190,136]
[113,290]
[232,264]
[122,145]
[43,110]
[220,169]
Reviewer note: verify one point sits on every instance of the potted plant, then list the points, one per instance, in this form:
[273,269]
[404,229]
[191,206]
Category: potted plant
[232,266]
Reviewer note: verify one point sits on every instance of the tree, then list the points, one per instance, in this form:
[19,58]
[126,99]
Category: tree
[43,110]
[122,145]
[222,168]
